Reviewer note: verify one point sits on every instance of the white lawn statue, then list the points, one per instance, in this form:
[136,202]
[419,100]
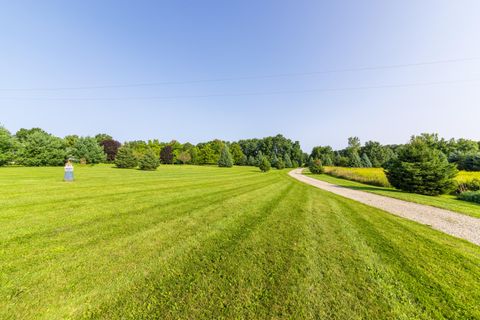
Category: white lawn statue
[68,171]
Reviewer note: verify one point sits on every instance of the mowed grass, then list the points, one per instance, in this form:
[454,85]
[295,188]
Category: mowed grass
[205,242]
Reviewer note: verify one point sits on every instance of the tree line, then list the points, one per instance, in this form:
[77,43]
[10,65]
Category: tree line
[36,147]
[426,164]
[464,153]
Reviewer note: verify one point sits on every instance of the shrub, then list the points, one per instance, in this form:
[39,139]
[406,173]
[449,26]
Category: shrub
[470,185]
[315,166]
[421,169]
[149,161]
[125,158]
[264,164]
[251,161]
[471,196]
[225,160]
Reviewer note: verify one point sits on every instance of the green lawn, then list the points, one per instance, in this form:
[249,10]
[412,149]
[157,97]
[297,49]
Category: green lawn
[207,243]
[448,202]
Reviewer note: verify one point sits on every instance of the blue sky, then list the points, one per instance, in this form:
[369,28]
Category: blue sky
[66,44]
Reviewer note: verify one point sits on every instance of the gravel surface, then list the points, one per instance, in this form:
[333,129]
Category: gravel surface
[450,222]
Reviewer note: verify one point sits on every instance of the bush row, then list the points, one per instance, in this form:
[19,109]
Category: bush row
[471,196]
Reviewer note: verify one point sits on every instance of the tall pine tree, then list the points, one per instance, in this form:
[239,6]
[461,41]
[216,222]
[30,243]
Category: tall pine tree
[366,163]
[225,160]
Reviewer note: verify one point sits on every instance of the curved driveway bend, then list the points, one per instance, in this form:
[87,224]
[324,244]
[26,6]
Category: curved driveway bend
[455,224]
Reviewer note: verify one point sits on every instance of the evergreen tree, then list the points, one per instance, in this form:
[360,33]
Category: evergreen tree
[421,169]
[225,158]
[274,160]
[125,158]
[244,161]
[259,158]
[87,149]
[39,148]
[354,160]
[149,161]
[288,161]
[366,161]
[280,164]
[264,164]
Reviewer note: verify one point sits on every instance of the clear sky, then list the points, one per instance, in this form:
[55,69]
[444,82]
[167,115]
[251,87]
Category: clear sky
[176,45]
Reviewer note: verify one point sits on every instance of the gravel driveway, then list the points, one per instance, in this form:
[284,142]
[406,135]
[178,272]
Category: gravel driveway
[455,224]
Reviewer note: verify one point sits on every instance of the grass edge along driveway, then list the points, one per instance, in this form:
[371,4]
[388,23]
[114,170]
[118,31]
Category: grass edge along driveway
[447,202]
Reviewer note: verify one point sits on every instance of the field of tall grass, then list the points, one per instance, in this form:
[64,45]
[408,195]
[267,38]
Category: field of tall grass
[371,176]
[466,176]
[376,176]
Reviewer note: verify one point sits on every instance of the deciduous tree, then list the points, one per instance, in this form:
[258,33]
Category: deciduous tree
[166,155]
[110,147]
[7,146]
[184,157]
